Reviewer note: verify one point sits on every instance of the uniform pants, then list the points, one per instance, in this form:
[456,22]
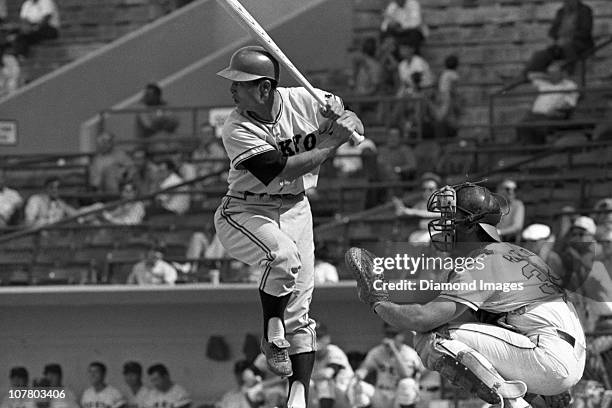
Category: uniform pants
[275,234]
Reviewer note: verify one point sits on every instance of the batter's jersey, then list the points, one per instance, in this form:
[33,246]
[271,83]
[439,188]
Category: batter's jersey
[381,359]
[175,397]
[109,397]
[297,128]
[509,279]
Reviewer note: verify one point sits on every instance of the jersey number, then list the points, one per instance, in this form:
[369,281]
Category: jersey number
[535,268]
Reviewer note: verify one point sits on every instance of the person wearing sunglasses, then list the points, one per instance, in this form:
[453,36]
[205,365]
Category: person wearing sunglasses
[512,222]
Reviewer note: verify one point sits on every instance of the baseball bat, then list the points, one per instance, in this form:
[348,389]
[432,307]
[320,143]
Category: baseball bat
[248,22]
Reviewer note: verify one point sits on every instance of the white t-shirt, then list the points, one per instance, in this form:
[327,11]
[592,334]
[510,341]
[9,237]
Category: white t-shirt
[177,203]
[175,397]
[324,272]
[10,200]
[109,397]
[161,273]
[549,103]
[407,17]
[35,12]
[352,163]
[407,68]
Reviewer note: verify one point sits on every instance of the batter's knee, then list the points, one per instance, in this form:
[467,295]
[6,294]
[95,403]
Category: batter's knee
[280,270]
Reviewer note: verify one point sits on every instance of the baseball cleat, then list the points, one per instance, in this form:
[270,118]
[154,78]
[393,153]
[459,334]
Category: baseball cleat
[277,356]
[461,376]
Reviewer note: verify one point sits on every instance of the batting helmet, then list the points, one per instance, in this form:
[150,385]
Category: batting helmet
[251,63]
[464,204]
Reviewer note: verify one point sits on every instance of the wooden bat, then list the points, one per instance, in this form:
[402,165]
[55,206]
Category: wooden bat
[246,20]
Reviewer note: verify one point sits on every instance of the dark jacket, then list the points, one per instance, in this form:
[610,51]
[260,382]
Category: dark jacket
[583,37]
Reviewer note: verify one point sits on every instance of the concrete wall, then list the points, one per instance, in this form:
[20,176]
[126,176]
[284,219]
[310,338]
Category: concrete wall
[76,325]
[50,111]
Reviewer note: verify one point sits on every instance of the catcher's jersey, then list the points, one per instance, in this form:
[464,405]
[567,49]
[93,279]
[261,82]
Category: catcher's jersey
[510,279]
[381,359]
[297,128]
[175,397]
[109,397]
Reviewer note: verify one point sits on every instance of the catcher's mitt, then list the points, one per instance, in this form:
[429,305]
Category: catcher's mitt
[361,264]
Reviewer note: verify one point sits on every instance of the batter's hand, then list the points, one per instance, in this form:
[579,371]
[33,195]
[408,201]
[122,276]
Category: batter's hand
[333,109]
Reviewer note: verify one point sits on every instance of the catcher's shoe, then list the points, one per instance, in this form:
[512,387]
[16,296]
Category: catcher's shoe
[277,356]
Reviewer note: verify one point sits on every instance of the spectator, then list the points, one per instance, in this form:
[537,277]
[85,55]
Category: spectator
[209,157]
[586,275]
[153,270]
[571,32]
[10,202]
[137,393]
[511,224]
[388,56]
[9,71]
[603,218]
[429,184]
[204,245]
[156,121]
[367,70]
[332,373]
[413,72]
[39,21]
[447,104]
[403,20]
[605,243]
[109,166]
[549,105]
[19,379]
[100,394]
[538,239]
[249,390]
[349,156]
[47,208]
[53,375]
[131,213]
[396,160]
[3,11]
[143,172]
[398,369]
[324,272]
[171,202]
[165,393]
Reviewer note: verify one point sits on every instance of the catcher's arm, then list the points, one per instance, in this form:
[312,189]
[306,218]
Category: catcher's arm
[419,318]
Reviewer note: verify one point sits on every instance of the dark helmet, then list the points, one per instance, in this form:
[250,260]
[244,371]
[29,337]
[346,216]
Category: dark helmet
[251,63]
[465,204]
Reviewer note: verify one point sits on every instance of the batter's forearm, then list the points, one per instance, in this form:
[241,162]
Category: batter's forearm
[303,163]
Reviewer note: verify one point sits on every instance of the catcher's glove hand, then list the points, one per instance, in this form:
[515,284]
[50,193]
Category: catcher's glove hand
[361,264]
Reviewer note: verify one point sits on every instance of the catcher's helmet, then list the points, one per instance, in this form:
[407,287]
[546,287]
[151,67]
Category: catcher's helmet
[251,63]
[463,204]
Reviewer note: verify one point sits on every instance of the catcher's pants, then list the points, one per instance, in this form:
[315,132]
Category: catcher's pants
[548,364]
[275,234]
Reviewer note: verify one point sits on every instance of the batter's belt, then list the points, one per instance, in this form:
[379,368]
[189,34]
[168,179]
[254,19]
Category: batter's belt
[243,195]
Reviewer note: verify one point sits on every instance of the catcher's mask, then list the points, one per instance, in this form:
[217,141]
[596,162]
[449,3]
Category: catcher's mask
[463,204]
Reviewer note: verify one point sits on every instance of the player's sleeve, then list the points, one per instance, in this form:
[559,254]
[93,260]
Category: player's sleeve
[117,399]
[369,363]
[182,397]
[467,289]
[241,144]
[266,166]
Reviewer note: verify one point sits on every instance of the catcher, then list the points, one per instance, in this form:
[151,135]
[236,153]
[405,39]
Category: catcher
[524,344]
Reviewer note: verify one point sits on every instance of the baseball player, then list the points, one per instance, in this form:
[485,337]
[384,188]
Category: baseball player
[526,336]
[19,379]
[276,140]
[100,394]
[165,393]
[332,373]
[397,367]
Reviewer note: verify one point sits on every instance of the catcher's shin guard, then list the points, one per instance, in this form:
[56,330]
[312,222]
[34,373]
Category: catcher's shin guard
[467,368]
